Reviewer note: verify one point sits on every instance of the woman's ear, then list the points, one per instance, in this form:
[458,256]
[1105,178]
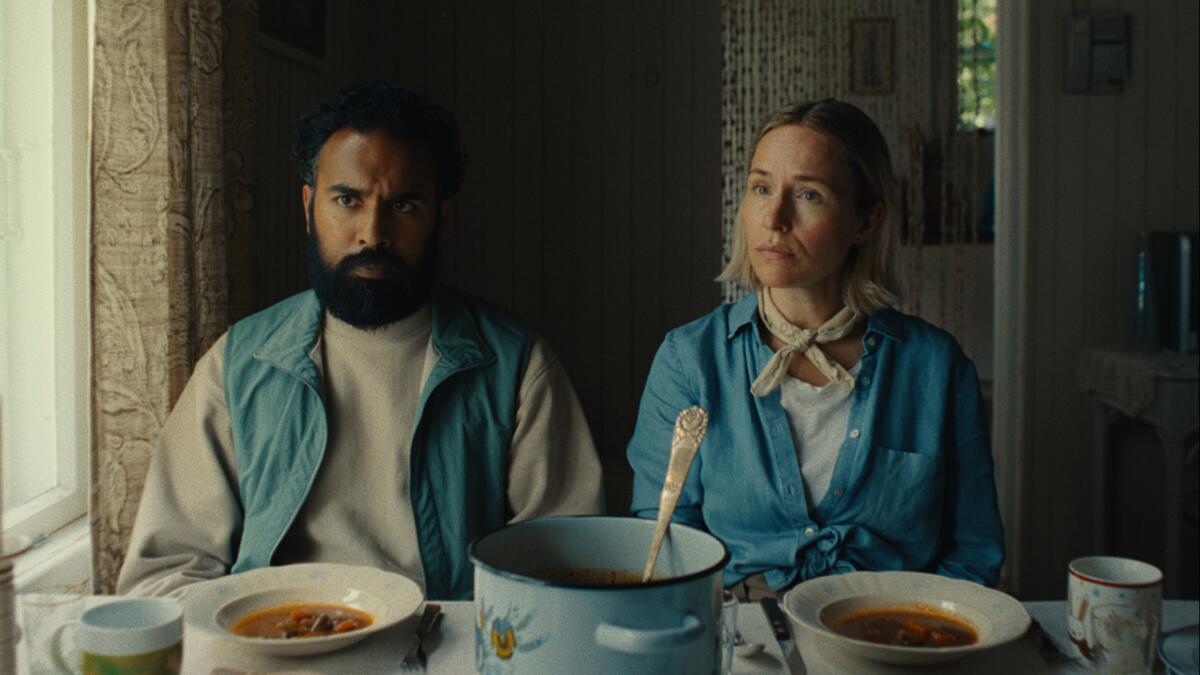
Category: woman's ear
[871,223]
[306,195]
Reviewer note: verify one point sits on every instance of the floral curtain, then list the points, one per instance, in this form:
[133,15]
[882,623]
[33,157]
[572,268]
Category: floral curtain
[172,186]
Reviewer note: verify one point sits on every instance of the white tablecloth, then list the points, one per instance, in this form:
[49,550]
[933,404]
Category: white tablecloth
[452,651]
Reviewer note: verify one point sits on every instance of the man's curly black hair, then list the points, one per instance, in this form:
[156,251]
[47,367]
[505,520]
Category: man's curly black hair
[396,110]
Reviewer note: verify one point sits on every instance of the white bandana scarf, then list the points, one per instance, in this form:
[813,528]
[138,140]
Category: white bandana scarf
[804,340]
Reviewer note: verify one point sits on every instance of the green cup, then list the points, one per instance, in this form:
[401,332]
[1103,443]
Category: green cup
[129,636]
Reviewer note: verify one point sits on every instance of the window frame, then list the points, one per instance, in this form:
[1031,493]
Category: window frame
[69,69]
[973,57]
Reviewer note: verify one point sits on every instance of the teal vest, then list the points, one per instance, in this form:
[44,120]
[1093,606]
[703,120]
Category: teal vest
[464,422]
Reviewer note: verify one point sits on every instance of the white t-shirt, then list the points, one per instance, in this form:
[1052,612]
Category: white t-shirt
[818,417]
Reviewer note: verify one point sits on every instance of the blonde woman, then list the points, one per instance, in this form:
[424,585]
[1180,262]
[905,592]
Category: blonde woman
[843,435]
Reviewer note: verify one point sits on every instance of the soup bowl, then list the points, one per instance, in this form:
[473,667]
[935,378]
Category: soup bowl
[217,605]
[563,595]
[817,605]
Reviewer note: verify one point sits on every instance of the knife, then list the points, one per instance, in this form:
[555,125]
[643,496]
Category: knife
[783,635]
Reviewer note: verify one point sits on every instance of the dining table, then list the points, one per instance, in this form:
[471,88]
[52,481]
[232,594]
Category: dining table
[451,650]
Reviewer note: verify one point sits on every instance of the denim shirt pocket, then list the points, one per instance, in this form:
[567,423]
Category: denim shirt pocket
[903,497]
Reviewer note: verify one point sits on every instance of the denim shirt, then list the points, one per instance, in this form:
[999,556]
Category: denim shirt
[913,486]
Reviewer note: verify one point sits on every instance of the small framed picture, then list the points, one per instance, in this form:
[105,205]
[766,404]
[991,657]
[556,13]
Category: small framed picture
[872,46]
[294,28]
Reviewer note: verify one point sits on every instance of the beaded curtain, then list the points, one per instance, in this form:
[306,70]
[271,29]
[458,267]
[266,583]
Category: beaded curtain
[778,51]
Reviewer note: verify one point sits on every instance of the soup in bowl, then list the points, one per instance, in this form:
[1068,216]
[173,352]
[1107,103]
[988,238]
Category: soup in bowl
[905,618]
[903,623]
[303,609]
[301,620]
[278,620]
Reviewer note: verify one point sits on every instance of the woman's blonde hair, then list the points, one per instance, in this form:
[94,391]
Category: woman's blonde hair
[869,279]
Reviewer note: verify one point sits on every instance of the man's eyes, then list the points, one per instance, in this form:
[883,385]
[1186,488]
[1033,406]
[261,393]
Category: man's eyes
[399,205]
[809,195]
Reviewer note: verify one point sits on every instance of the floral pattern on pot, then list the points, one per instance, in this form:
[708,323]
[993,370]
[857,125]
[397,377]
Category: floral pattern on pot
[500,637]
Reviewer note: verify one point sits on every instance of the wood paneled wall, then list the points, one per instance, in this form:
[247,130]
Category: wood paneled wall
[593,192]
[1106,166]
[592,200]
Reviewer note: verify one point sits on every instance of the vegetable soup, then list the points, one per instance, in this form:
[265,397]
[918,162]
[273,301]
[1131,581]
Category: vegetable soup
[906,627]
[301,620]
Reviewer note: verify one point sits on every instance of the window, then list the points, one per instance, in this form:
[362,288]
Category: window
[977,64]
[44,263]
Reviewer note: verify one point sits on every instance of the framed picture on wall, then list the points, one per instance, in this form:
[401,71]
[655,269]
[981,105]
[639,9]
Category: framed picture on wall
[293,28]
[872,62]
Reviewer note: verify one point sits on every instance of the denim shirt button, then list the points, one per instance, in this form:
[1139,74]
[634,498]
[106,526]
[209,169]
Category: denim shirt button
[838,493]
[809,531]
[854,433]
[865,380]
[871,341]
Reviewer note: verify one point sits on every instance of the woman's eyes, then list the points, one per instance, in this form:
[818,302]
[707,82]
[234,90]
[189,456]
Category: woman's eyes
[803,195]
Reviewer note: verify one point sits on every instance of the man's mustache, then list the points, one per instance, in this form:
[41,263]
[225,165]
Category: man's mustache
[391,264]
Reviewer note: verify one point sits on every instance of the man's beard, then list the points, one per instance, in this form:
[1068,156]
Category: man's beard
[372,302]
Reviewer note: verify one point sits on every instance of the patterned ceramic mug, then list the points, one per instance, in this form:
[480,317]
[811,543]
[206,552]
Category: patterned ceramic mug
[1114,608]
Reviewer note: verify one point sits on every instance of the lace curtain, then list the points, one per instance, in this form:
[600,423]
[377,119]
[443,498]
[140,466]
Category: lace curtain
[171,226]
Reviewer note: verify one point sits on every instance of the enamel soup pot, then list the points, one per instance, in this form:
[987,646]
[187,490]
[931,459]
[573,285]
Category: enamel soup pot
[526,623]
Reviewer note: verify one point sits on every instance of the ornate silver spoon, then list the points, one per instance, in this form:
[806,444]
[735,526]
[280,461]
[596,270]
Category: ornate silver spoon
[690,426]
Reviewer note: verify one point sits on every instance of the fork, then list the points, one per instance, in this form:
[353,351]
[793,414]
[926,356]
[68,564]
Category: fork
[414,658]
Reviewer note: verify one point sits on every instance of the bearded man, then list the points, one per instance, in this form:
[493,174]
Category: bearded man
[379,418]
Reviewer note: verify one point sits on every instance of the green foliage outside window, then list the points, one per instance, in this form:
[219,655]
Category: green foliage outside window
[977,64]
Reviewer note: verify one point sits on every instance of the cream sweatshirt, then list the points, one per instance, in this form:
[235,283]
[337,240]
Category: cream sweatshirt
[359,510]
